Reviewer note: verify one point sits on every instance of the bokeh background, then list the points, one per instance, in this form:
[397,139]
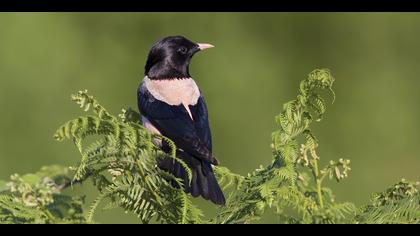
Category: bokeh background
[256,66]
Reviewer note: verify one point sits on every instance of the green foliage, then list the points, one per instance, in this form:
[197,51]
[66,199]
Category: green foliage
[398,204]
[120,156]
[37,198]
[282,185]
[122,163]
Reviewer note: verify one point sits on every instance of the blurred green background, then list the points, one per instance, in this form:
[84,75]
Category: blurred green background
[256,66]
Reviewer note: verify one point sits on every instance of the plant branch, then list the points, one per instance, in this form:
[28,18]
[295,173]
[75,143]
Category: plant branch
[318,182]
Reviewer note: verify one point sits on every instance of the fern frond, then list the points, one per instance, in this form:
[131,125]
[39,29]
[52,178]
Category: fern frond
[406,211]
[398,204]
[94,206]
[226,178]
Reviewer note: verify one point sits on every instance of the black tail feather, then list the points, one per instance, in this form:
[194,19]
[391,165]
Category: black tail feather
[203,182]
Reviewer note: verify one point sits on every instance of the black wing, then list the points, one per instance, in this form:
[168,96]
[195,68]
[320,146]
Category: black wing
[201,121]
[174,122]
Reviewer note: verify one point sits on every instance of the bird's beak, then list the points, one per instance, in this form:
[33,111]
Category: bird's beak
[203,46]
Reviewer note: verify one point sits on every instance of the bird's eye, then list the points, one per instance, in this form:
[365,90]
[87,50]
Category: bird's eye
[182,50]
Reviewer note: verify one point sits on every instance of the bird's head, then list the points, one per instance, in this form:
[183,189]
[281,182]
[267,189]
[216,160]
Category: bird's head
[170,57]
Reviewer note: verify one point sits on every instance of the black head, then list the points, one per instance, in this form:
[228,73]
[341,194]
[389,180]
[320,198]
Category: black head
[170,57]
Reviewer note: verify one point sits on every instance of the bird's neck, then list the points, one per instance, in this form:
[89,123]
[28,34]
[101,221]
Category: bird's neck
[165,70]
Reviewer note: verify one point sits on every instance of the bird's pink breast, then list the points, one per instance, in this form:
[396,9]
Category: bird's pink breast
[174,91]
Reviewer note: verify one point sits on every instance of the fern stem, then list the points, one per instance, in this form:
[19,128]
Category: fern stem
[49,215]
[92,208]
[184,209]
[318,182]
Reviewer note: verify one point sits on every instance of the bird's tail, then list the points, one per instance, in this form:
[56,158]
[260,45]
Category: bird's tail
[203,182]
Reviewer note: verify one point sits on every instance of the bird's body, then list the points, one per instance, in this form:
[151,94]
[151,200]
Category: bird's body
[171,104]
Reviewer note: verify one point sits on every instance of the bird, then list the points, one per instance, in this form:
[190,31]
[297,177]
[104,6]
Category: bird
[171,104]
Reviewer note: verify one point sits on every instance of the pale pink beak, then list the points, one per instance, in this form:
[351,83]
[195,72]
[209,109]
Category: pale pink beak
[203,46]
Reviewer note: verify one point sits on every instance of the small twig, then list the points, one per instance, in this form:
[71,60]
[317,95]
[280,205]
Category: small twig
[70,182]
[318,182]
